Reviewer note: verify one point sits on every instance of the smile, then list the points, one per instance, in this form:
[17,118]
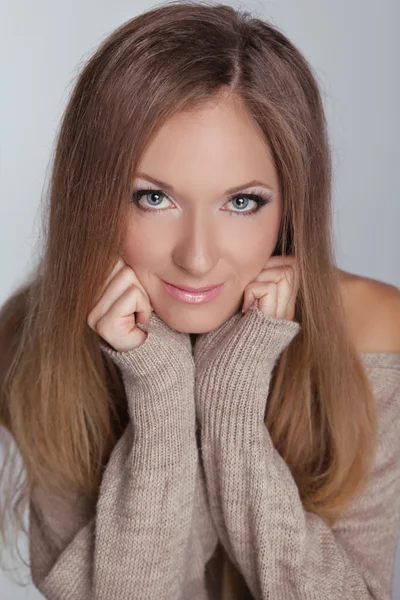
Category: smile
[193,297]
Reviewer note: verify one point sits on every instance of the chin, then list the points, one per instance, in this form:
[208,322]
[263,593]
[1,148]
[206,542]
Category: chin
[190,327]
[189,323]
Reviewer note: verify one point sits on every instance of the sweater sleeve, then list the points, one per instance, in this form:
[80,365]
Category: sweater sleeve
[282,550]
[141,540]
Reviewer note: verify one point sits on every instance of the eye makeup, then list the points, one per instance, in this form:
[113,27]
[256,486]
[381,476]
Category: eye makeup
[260,198]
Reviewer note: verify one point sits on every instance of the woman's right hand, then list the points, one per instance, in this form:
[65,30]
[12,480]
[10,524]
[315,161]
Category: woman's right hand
[113,316]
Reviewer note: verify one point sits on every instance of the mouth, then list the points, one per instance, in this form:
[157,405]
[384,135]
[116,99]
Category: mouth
[194,290]
[193,296]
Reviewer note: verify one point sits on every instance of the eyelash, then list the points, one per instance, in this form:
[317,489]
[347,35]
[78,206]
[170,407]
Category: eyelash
[260,199]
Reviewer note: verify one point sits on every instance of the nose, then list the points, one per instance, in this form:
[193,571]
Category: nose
[196,250]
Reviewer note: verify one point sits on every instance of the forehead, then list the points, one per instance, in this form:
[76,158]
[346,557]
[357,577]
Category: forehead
[215,143]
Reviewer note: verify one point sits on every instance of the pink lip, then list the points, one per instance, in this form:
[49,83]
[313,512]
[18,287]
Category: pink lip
[193,297]
[193,290]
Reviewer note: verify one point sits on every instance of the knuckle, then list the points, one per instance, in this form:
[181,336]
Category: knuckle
[101,328]
[123,274]
[288,271]
[90,320]
[133,289]
[129,273]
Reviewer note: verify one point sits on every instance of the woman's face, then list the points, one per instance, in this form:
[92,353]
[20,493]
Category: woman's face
[194,232]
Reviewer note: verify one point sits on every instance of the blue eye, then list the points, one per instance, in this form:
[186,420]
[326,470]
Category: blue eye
[138,194]
[260,200]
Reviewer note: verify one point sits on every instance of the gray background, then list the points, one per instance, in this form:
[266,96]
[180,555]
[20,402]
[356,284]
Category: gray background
[354,47]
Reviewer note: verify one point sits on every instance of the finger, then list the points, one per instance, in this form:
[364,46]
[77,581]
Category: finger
[280,261]
[287,288]
[286,281]
[119,265]
[266,295]
[143,316]
[268,301]
[125,278]
[118,326]
[290,308]
[283,295]
[287,294]
[277,274]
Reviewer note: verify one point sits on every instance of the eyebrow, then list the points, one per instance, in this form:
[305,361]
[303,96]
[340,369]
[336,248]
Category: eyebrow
[233,190]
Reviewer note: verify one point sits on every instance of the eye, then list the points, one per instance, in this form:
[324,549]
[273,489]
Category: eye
[156,197]
[241,200]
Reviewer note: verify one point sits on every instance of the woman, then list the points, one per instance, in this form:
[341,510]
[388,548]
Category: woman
[175,446]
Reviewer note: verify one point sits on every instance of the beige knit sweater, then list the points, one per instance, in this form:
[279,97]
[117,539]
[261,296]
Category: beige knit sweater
[172,490]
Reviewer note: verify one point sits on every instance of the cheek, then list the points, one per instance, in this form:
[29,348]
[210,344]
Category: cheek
[255,247]
[143,247]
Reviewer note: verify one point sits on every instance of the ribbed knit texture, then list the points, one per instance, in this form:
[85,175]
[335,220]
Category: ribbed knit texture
[164,503]
[143,542]
[283,551]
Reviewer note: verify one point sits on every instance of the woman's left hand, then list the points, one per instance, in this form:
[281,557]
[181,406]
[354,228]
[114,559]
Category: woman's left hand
[275,288]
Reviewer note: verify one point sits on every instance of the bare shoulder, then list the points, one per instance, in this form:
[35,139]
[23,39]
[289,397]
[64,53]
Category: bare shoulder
[373,313]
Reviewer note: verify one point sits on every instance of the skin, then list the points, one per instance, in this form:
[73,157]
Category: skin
[194,238]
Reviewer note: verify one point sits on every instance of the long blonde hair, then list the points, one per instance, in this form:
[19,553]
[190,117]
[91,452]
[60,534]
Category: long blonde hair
[62,403]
